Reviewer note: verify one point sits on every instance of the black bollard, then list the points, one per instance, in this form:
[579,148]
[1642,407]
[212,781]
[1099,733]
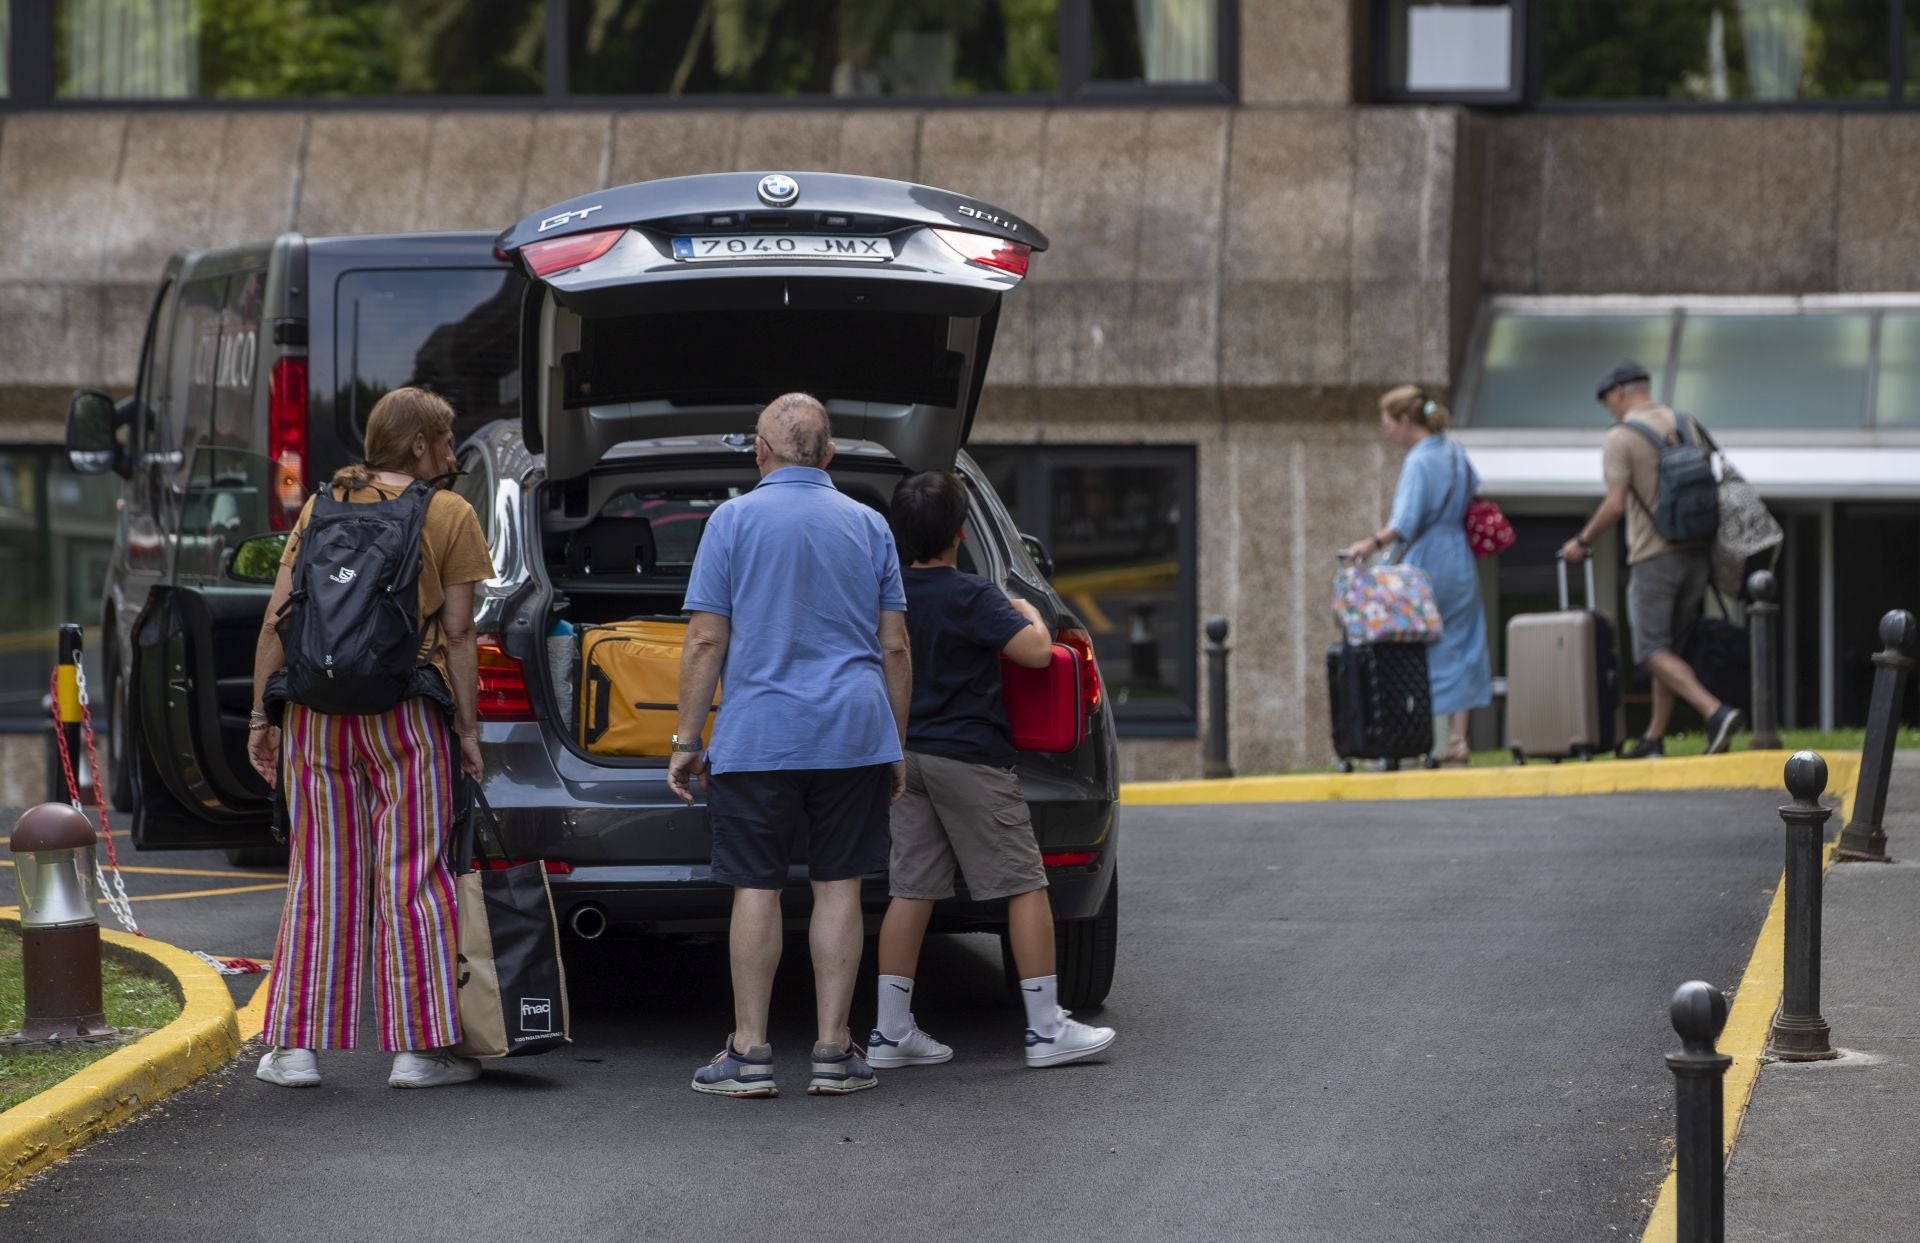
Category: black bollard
[1763,618]
[1699,1012]
[1864,838]
[1799,1033]
[1216,757]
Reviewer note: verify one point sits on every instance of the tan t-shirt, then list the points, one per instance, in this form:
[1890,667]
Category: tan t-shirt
[1630,458]
[452,550]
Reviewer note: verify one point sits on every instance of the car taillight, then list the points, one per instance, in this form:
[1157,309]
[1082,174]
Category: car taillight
[1082,642]
[287,439]
[1068,858]
[560,253]
[988,252]
[503,686]
[552,867]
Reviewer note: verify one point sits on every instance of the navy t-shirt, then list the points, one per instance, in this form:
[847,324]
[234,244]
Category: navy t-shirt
[958,624]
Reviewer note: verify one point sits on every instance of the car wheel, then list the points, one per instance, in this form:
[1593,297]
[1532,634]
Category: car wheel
[1085,951]
[258,857]
[119,741]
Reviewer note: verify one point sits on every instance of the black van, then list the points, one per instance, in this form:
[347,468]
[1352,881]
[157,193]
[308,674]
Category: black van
[256,372]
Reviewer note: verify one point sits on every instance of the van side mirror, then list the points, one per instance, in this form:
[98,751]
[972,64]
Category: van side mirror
[1042,559]
[92,446]
[257,560]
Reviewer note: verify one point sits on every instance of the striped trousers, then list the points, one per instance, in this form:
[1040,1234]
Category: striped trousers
[370,802]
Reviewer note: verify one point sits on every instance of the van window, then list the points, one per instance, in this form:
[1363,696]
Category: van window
[234,362]
[754,356]
[454,331]
[228,481]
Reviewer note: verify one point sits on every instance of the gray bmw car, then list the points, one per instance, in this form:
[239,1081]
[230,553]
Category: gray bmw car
[658,319]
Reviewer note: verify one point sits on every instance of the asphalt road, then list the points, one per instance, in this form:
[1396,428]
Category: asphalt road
[1350,1021]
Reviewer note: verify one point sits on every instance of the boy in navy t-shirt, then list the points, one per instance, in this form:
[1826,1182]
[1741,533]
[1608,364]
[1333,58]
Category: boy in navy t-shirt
[963,807]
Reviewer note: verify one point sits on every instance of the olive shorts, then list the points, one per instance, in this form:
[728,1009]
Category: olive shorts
[1663,599]
[967,815]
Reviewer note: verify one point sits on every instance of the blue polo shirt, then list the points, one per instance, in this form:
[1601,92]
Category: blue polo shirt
[803,572]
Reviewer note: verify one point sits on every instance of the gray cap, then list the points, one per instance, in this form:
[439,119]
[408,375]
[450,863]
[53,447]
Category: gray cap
[1626,371]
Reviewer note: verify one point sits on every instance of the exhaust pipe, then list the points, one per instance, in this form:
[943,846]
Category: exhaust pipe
[588,921]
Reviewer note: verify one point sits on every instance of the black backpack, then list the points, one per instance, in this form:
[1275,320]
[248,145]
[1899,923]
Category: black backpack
[1686,507]
[351,628]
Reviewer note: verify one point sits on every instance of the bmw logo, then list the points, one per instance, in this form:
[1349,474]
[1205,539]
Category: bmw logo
[778,190]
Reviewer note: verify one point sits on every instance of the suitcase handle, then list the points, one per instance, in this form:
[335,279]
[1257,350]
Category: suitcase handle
[1560,564]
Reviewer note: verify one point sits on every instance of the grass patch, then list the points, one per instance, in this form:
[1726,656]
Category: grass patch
[132,1000]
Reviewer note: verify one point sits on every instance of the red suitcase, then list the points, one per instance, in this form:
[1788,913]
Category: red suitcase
[1043,705]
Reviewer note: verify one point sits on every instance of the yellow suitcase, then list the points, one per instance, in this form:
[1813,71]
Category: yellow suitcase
[630,687]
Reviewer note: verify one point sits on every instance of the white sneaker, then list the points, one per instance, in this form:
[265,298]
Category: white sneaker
[916,1048]
[290,1068]
[1072,1042]
[436,1069]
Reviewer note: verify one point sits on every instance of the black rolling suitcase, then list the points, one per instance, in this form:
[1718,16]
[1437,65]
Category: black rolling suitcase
[1381,705]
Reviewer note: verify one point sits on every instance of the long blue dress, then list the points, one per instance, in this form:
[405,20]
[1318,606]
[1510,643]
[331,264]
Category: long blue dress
[1430,509]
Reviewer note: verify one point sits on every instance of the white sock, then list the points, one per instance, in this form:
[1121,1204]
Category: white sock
[1042,995]
[896,1006]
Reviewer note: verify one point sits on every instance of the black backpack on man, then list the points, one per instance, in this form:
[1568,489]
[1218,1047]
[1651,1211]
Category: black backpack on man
[351,629]
[1686,508]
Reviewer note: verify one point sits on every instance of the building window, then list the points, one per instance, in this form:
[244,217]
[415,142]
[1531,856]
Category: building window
[1583,53]
[243,49]
[56,540]
[1771,51]
[1155,41]
[1119,525]
[637,50]
[814,47]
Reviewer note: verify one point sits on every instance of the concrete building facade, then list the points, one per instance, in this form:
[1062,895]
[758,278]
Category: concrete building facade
[1237,281]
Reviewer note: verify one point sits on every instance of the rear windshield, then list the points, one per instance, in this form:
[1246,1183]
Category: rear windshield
[753,356]
[677,519]
[455,331]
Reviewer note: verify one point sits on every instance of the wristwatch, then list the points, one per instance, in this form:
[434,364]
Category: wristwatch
[688,747]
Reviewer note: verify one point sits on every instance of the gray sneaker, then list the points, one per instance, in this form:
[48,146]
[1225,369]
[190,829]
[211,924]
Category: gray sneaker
[742,1076]
[838,1071]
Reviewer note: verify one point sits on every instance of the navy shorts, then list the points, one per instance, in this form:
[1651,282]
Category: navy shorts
[835,817]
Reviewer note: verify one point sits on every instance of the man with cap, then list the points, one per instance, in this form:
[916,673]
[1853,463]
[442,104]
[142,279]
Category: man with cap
[1665,581]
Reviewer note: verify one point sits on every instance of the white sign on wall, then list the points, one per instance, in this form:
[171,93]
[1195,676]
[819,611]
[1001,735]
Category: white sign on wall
[1454,47]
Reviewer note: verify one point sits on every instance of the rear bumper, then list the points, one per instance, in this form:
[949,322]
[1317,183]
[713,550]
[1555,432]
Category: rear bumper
[683,898]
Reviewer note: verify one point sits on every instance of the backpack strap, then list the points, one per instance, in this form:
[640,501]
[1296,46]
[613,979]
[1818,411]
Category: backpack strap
[1659,446]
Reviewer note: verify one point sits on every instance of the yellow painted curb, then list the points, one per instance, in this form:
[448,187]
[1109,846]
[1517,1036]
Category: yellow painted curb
[1741,770]
[39,1131]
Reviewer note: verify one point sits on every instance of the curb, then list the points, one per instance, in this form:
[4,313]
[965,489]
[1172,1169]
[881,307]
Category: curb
[1740,770]
[39,1131]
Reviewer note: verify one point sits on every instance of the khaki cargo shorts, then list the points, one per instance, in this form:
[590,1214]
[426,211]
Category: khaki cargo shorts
[969,815]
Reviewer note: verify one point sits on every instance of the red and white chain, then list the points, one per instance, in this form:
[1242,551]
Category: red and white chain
[111,884]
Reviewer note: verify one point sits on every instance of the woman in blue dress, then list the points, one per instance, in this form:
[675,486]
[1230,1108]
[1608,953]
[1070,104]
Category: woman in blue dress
[1429,518]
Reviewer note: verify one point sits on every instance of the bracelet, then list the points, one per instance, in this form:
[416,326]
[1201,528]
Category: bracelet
[261,724]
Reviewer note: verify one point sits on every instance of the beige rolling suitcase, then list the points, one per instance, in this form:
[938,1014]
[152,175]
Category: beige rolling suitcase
[1563,681]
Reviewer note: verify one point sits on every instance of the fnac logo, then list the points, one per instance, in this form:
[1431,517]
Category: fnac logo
[536,1015]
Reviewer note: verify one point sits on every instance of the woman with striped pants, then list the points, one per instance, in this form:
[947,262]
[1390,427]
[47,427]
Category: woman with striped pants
[369,798]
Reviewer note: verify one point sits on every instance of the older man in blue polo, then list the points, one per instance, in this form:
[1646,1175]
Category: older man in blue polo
[796,603]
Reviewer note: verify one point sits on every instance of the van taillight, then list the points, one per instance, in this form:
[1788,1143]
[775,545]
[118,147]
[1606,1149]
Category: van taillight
[287,439]
[560,253]
[988,252]
[503,686]
[1082,642]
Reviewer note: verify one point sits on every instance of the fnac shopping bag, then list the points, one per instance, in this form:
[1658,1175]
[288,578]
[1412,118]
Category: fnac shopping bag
[513,987]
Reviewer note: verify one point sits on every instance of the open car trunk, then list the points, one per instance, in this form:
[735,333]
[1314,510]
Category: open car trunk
[617,548]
